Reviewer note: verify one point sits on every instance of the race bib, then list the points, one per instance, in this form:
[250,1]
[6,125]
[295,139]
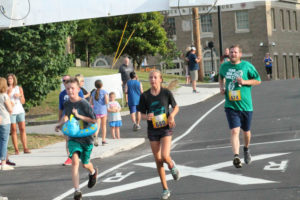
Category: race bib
[160,121]
[234,95]
[267,63]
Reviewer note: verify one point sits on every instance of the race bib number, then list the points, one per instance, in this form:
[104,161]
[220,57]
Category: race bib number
[235,95]
[267,63]
[160,121]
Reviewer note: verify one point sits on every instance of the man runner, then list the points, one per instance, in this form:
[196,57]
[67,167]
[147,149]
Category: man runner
[239,77]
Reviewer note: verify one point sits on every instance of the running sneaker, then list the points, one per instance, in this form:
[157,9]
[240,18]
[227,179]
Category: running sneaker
[165,195]
[77,195]
[237,162]
[6,167]
[8,162]
[247,157]
[3,198]
[175,172]
[134,128]
[96,141]
[93,179]
[68,162]
[138,127]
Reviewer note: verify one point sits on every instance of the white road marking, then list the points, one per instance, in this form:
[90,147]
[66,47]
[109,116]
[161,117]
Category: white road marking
[277,166]
[118,177]
[208,172]
[69,192]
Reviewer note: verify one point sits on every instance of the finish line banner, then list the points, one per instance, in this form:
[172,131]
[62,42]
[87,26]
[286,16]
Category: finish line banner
[111,83]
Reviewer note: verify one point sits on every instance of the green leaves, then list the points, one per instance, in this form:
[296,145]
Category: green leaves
[37,56]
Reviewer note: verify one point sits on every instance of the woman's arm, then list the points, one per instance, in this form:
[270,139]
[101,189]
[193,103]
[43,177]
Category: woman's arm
[21,95]
[171,118]
[9,105]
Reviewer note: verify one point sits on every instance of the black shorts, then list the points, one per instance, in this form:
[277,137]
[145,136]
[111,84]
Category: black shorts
[269,70]
[156,135]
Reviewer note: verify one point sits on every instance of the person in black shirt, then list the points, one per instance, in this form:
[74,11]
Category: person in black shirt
[154,107]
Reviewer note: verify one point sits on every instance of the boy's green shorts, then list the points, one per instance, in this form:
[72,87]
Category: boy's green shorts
[84,150]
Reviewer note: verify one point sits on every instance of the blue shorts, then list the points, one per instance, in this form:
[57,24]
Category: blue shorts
[239,119]
[133,109]
[115,123]
[17,118]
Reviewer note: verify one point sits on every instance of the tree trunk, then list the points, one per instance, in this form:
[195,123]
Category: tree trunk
[197,42]
[87,54]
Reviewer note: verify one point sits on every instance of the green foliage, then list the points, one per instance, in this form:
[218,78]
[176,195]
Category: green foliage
[37,56]
[169,55]
[87,40]
[149,37]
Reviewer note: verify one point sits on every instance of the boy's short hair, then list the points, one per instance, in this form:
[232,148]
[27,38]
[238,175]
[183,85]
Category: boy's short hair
[72,80]
[112,93]
[236,46]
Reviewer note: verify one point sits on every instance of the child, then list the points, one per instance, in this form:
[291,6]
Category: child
[79,147]
[99,100]
[114,115]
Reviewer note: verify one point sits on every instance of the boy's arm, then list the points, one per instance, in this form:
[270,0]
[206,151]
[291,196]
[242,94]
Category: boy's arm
[61,123]
[82,117]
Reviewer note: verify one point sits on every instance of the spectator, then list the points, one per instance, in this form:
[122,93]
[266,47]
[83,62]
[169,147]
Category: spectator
[193,67]
[63,97]
[16,95]
[268,64]
[187,71]
[99,100]
[212,76]
[125,70]
[114,116]
[80,79]
[79,148]
[133,90]
[225,57]
[6,108]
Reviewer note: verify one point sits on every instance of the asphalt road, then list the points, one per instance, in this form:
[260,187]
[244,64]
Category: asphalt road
[202,152]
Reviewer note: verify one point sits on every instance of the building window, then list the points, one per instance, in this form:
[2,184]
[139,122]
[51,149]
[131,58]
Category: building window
[282,19]
[273,18]
[295,20]
[170,27]
[292,66]
[289,20]
[298,64]
[276,67]
[242,21]
[206,23]
[207,62]
[285,67]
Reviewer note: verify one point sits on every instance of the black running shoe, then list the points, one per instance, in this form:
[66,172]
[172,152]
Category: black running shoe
[237,162]
[77,195]
[247,157]
[93,179]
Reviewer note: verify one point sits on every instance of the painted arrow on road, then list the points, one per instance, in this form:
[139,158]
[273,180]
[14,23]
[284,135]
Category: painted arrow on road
[209,172]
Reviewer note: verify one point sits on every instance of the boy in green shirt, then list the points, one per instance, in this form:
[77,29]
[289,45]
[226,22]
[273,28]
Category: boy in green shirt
[239,76]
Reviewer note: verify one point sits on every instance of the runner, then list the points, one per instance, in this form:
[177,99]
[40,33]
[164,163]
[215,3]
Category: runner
[239,77]
[79,147]
[268,64]
[154,107]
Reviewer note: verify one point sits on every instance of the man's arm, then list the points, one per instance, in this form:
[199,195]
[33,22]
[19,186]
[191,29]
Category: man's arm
[221,85]
[251,82]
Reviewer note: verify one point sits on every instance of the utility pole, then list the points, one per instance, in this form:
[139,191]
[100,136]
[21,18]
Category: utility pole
[197,41]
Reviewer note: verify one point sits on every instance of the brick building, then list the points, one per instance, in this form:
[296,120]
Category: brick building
[258,27]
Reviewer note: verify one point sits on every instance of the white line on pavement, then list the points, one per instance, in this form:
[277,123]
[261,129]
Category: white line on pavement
[71,191]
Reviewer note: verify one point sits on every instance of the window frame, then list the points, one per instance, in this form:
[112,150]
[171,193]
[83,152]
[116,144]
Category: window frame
[241,30]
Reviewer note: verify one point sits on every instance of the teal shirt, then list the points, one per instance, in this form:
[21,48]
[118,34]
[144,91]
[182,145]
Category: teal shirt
[238,97]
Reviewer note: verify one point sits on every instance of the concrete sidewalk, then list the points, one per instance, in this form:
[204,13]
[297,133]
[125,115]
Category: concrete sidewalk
[56,154]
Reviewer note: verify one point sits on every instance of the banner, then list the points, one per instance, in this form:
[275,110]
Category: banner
[111,83]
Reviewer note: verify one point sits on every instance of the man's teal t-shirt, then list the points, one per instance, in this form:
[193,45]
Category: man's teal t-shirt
[238,97]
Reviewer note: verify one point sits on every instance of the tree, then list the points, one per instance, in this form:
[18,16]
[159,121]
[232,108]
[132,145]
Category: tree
[149,37]
[87,40]
[37,56]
